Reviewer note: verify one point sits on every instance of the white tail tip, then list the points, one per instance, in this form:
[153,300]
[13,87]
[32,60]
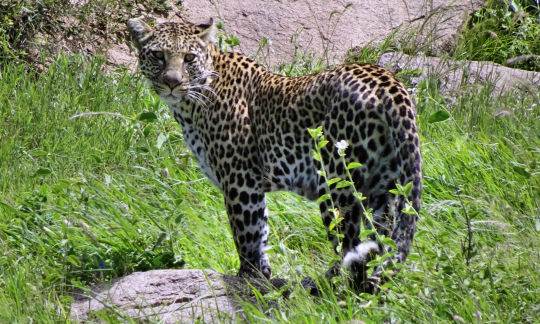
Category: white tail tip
[360,253]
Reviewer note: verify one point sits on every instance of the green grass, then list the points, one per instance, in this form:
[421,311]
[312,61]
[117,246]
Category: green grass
[87,199]
[505,32]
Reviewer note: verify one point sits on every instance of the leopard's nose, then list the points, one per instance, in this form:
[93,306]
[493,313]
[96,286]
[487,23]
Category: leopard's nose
[172,79]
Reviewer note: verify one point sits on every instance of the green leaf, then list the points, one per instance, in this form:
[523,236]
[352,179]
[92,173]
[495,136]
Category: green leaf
[73,260]
[389,242]
[314,132]
[147,130]
[344,184]
[147,116]
[521,171]
[42,172]
[96,158]
[366,233]
[332,181]
[353,165]
[322,144]
[409,210]
[323,198]
[407,189]
[394,191]
[331,226]
[374,263]
[316,155]
[38,153]
[141,149]
[439,116]
[359,196]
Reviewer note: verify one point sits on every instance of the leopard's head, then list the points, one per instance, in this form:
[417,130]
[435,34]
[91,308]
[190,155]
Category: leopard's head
[175,57]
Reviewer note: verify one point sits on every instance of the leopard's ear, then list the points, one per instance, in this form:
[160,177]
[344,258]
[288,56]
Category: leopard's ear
[140,32]
[207,32]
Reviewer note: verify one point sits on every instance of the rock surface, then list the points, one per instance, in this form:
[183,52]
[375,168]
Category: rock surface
[455,75]
[330,28]
[169,296]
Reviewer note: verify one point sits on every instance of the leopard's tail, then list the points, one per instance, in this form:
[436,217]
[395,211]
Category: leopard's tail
[401,223]
[360,254]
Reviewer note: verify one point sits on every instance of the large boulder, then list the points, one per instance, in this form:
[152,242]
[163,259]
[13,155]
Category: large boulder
[330,28]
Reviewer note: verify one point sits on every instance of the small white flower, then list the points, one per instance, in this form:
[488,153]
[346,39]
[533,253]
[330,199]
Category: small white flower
[342,145]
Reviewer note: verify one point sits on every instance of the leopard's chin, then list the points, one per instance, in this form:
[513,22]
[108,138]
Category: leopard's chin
[171,96]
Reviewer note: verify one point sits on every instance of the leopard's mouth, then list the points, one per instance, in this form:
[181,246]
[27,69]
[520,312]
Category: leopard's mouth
[168,94]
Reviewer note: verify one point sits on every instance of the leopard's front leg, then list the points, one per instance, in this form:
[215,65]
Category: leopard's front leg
[248,217]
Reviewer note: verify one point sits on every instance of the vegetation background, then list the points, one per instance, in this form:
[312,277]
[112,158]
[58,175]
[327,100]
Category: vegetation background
[95,182]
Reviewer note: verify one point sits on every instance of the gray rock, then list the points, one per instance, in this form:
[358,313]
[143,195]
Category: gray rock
[168,296]
[455,75]
[330,28]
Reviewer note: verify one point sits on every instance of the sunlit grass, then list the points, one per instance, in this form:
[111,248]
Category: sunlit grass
[87,199]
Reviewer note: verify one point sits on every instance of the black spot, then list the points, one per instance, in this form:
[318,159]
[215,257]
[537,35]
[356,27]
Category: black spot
[342,200]
[333,130]
[375,180]
[372,145]
[371,128]
[239,180]
[255,198]
[323,207]
[398,99]
[239,225]
[360,154]
[394,164]
[403,111]
[358,178]
[247,217]
[237,209]
[355,138]
[382,140]
[387,150]
[233,193]
[249,181]
[415,192]
[327,220]
[406,124]
[353,98]
[351,231]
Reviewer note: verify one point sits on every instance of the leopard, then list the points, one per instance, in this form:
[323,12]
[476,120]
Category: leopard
[248,129]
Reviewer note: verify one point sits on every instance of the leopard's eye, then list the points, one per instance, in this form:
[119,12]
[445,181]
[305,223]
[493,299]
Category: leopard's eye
[189,57]
[158,54]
